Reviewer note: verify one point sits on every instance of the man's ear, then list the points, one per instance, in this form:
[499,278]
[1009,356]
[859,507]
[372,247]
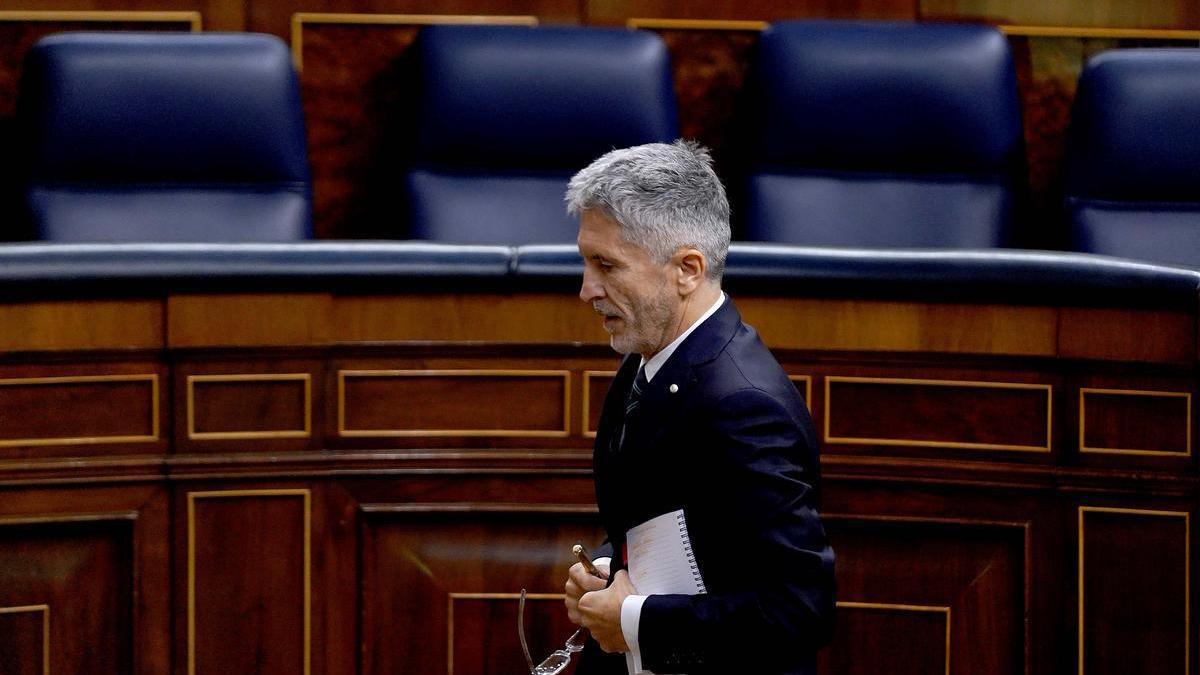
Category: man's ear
[691,270]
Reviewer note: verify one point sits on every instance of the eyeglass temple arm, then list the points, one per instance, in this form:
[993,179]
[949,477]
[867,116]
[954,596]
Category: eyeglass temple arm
[521,631]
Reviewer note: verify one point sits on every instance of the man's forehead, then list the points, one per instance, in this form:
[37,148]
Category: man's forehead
[597,230]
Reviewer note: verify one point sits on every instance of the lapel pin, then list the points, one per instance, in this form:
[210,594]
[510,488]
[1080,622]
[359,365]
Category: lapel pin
[674,388]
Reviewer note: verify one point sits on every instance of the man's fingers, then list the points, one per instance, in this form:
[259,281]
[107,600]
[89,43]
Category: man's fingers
[583,580]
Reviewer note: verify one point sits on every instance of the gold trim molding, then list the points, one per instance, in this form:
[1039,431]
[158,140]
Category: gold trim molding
[695,24]
[1100,33]
[192,497]
[930,609]
[1049,389]
[807,379]
[1187,566]
[392,433]
[193,19]
[358,19]
[585,423]
[306,432]
[1084,391]
[152,378]
[45,610]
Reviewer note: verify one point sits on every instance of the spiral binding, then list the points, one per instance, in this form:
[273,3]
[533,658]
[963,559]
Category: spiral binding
[687,551]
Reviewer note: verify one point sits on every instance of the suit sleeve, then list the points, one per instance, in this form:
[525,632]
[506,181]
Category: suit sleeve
[761,463]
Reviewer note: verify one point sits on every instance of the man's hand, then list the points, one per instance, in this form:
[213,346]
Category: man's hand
[600,611]
[578,583]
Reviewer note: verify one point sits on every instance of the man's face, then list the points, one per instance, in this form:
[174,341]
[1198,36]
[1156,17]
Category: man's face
[624,285]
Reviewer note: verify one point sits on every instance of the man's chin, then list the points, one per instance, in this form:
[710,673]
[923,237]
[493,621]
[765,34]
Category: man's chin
[619,345]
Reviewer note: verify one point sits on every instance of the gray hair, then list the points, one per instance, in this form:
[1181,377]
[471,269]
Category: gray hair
[664,197]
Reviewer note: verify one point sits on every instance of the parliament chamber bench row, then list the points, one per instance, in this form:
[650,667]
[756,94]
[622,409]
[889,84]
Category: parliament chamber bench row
[861,134]
[350,457]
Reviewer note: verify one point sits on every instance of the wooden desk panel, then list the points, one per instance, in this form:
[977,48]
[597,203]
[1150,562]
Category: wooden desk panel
[426,526]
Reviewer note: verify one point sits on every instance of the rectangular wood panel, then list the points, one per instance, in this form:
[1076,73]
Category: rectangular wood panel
[924,649]
[25,640]
[1115,421]
[66,596]
[595,387]
[79,410]
[96,324]
[247,320]
[248,581]
[382,403]
[938,413]
[477,640]
[448,581]
[845,325]
[918,595]
[245,406]
[1134,564]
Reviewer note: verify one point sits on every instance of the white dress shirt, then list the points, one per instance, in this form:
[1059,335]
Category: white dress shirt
[631,608]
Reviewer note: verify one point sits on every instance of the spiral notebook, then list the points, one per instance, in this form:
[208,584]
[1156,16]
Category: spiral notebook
[660,557]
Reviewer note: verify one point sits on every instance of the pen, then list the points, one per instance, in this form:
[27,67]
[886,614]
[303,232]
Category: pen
[585,558]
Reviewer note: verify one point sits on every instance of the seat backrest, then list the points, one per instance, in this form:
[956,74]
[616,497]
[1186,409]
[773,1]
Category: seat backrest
[508,114]
[1133,156]
[882,135]
[165,137]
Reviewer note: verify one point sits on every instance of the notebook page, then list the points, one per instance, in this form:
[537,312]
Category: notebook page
[661,560]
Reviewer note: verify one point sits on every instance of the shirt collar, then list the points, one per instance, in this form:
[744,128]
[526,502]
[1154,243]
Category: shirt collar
[656,362]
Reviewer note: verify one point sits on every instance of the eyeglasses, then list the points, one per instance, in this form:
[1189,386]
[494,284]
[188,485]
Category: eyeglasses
[558,661]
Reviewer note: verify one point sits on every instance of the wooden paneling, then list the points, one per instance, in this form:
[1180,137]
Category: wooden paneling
[79,407]
[956,590]
[938,414]
[406,554]
[462,317]
[79,410]
[381,403]
[1100,13]
[81,574]
[254,405]
[25,640]
[926,648]
[1153,633]
[444,562]
[264,404]
[595,387]
[1117,421]
[248,320]
[709,62]
[901,326]
[248,593]
[479,643]
[1127,335]
[82,324]
[616,11]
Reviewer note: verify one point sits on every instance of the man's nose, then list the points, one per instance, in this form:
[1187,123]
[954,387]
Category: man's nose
[590,290]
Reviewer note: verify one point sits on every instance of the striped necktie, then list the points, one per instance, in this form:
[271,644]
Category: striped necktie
[632,401]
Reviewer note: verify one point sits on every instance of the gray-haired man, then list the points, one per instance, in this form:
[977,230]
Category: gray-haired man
[700,425]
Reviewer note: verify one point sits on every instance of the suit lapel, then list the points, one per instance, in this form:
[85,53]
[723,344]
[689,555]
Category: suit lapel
[659,405]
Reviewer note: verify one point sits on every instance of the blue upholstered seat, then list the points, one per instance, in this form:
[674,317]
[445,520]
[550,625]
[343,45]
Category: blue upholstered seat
[882,135]
[508,114]
[1133,156]
[165,137]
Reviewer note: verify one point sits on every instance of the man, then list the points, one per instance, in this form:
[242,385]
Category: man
[699,419]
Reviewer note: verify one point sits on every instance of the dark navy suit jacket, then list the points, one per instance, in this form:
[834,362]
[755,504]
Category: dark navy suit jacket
[734,448]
